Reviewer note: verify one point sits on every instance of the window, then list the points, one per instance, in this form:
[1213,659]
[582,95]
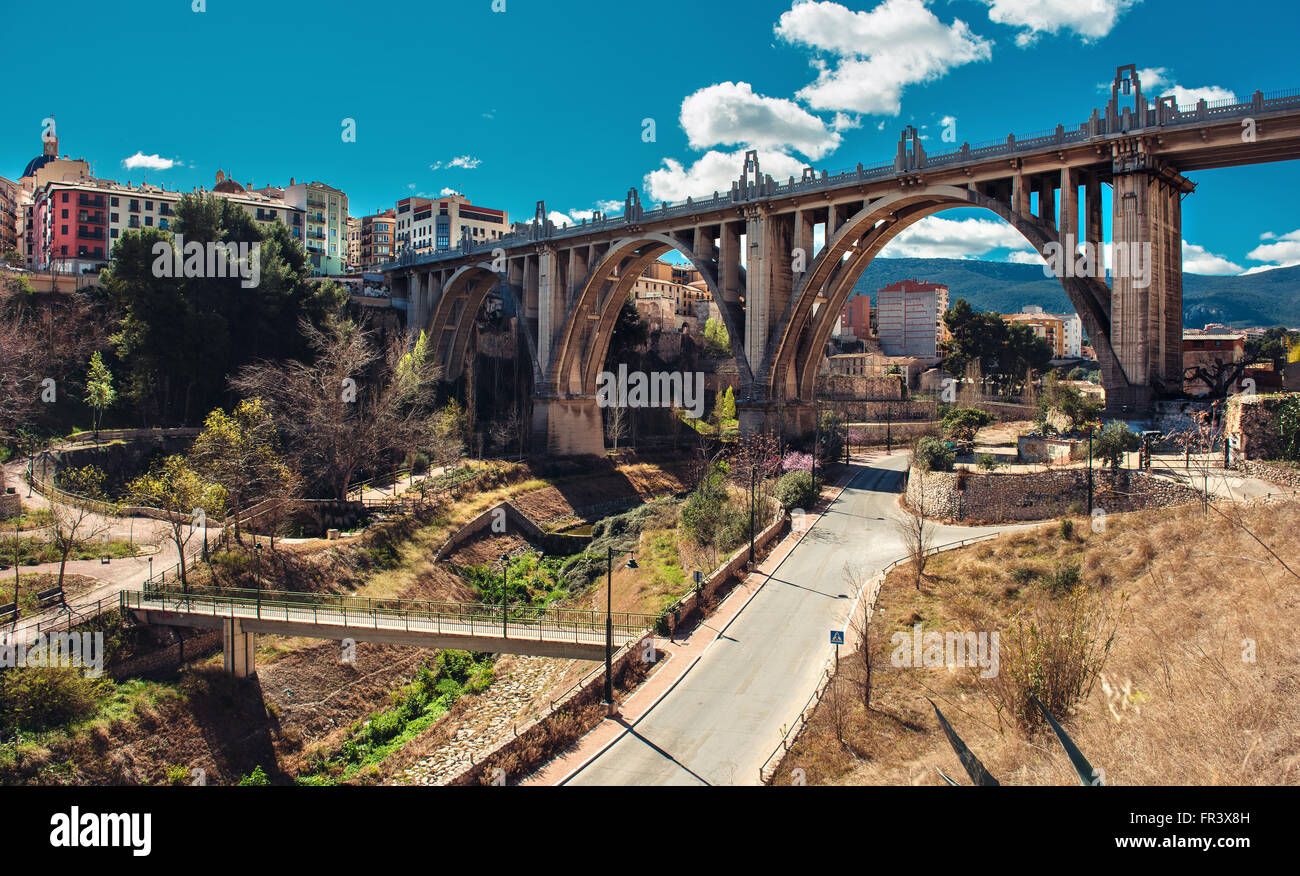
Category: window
[148,205]
[113,233]
[112,216]
[65,197]
[65,229]
[113,202]
[65,215]
[148,220]
[162,223]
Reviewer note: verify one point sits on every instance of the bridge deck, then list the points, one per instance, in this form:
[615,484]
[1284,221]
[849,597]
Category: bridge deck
[568,633]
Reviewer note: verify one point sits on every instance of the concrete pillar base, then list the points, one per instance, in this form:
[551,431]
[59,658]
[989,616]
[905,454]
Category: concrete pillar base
[569,426]
[792,420]
[239,649]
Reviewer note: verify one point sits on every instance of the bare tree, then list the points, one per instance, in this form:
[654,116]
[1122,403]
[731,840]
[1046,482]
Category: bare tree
[77,513]
[616,424]
[914,528]
[353,407]
[860,629]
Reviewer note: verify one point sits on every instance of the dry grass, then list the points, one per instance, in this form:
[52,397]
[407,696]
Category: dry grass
[1178,700]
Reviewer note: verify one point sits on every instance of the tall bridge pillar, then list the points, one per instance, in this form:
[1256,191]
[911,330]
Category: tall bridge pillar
[1146,275]
[238,648]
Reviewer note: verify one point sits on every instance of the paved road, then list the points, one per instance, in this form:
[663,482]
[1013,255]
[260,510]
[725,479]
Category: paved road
[726,716]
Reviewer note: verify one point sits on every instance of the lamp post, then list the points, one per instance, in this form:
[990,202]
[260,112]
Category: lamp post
[609,627]
[505,580]
[257,551]
[1091,429]
[753,477]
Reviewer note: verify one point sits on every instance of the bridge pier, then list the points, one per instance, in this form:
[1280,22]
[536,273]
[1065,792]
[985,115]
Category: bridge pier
[791,420]
[238,648]
[569,425]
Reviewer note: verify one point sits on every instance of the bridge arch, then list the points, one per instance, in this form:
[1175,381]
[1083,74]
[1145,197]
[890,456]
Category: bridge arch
[449,326]
[589,327]
[796,352]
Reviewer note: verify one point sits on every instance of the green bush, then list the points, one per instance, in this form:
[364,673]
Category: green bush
[963,423]
[1289,425]
[40,698]
[933,455]
[987,462]
[257,778]
[796,489]
[386,726]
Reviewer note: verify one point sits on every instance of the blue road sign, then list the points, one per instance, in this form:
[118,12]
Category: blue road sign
[837,637]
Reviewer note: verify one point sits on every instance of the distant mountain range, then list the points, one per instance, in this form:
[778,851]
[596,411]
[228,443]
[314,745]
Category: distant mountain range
[1268,298]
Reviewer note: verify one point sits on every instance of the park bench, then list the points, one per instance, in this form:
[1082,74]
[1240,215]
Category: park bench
[8,613]
[51,597]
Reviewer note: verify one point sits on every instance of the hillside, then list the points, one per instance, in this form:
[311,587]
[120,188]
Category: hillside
[1267,298]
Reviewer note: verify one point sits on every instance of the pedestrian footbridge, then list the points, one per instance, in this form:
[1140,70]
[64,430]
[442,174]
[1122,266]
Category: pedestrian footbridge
[241,614]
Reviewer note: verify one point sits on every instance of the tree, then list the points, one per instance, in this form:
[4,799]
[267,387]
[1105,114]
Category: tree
[616,424]
[914,528]
[238,452]
[717,341]
[1115,440]
[100,393]
[962,424]
[353,406]
[180,337]
[1003,350]
[77,513]
[1077,408]
[931,454]
[175,487]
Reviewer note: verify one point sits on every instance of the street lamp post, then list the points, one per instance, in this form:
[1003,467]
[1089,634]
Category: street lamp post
[609,627]
[257,551]
[505,580]
[1090,432]
[753,477]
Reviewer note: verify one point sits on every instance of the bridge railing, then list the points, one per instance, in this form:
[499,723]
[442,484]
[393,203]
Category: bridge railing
[1097,126]
[534,621]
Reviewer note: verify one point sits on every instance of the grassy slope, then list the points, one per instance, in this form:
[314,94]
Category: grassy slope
[1177,703]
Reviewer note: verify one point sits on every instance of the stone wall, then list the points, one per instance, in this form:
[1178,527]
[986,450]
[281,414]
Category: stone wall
[11,504]
[1276,472]
[980,496]
[1040,448]
[1253,421]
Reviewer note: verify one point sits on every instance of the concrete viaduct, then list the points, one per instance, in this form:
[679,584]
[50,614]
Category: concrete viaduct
[780,297]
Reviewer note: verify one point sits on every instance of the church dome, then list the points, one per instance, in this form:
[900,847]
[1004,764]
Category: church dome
[36,164]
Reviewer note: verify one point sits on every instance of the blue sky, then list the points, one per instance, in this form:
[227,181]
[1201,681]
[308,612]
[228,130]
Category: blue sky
[548,99]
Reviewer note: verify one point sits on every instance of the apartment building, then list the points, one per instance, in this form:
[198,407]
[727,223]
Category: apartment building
[75,225]
[855,319]
[378,239]
[325,223]
[425,225]
[1063,332]
[909,318]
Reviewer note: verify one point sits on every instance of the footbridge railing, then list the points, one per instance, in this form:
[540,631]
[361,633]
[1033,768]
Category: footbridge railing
[579,626]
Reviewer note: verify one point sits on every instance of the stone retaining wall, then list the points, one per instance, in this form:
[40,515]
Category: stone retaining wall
[1276,472]
[992,497]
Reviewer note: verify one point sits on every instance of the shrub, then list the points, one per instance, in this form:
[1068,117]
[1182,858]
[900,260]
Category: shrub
[1289,425]
[1067,528]
[933,455]
[1113,442]
[38,698]
[796,489]
[385,727]
[963,423]
[987,462]
[257,778]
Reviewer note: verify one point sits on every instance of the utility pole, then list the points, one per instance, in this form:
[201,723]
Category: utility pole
[889,429]
[505,577]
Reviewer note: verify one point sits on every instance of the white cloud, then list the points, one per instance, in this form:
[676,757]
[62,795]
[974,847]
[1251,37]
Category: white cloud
[1026,257]
[876,54]
[1198,260]
[448,191]
[462,162]
[714,171]
[149,162]
[1091,20]
[575,217]
[1283,251]
[1157,82]
[731,114]
[937,238]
